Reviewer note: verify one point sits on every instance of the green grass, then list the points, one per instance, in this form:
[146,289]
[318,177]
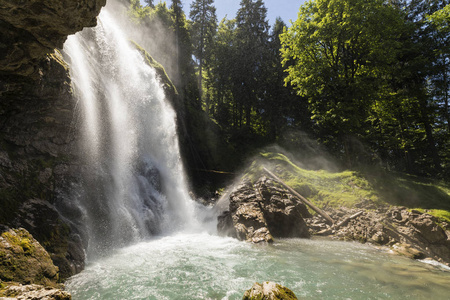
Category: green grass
[348,188]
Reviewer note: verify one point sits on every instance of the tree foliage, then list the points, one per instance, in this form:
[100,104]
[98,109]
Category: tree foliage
[341,50]
[203,31]
[367,79]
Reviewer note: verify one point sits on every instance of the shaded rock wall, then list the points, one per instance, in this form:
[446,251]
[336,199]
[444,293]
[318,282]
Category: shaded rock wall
[37,143]
[31,29]
[37,120]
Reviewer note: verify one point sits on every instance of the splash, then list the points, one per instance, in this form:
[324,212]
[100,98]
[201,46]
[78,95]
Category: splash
[133,180]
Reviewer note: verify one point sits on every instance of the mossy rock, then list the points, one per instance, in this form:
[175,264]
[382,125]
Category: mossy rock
[24,260]
[269,291]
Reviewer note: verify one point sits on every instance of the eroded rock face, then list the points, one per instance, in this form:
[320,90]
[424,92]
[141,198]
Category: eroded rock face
[31,29]
[269,291]
[259,212]
[38,141]
[38,135]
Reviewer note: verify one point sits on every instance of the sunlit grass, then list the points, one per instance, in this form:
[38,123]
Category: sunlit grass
[348,188]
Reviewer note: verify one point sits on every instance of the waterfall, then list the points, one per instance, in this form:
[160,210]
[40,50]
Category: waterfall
[133,183]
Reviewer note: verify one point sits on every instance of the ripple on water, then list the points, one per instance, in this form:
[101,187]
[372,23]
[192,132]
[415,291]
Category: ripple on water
[202,266]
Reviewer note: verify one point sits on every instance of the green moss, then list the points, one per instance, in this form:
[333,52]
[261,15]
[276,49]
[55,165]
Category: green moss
[167,83]
[285,293]
[322,187]
[19,241]
[24,260]
[348,188]
[440,214]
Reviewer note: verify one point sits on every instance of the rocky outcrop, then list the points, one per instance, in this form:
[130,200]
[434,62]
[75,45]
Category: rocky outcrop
[31,29]
[37,157]
[258,212]
[33,292]
[269,291]
[261,211]
[37,128]
[24,260]
[408,232]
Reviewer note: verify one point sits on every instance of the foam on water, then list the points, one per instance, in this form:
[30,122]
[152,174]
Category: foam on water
[203,266]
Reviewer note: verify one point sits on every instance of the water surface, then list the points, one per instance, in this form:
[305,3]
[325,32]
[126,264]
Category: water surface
[203,266]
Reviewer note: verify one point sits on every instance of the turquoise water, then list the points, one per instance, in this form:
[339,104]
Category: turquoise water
[203,266]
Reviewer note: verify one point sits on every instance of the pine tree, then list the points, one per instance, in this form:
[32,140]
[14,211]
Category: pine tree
[203,30]
[149,3]
[252,40]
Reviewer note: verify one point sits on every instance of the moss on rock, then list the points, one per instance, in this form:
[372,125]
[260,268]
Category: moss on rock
[24,260]
[269,291]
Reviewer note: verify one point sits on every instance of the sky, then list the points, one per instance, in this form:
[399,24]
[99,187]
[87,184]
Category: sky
[286,9]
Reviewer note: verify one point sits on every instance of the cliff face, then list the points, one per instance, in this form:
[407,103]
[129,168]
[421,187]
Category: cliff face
[31,29]
[37,133]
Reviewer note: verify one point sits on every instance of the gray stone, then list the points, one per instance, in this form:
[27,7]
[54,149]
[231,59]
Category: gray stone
[258,213]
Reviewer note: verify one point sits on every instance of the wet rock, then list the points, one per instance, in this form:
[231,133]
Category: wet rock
[24,260]
[261,211]
[33,292]
[37,146]
[42,220]
[408,251]
[269,291]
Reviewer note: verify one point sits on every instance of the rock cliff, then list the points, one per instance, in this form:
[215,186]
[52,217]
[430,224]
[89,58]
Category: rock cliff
[31,29]
[37,133]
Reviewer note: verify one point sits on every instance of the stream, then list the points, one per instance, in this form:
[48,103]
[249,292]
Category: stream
[204,266]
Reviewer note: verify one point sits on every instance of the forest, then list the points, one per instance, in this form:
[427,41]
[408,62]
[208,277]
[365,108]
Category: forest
[368,81]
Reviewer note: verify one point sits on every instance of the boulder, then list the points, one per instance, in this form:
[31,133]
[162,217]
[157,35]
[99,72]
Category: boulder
[269,291]
[24,260]
[258,212]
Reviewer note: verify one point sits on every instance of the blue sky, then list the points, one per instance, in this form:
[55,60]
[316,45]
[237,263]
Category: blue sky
[286,9]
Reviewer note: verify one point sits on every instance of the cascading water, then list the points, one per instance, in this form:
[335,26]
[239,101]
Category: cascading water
[133,183]
[133,187]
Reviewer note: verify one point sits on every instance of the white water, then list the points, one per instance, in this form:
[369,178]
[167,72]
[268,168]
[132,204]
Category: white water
[134,183]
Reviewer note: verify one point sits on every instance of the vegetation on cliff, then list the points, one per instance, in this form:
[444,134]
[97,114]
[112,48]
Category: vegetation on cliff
[365,188]
[368,81]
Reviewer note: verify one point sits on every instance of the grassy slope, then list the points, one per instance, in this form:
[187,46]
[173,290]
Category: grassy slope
[348,188]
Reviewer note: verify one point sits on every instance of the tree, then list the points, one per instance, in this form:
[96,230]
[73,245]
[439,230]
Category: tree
[149,3]
[185,75]
[252,38]
[440,20]
[203,30]
[342,50]
[220,78]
